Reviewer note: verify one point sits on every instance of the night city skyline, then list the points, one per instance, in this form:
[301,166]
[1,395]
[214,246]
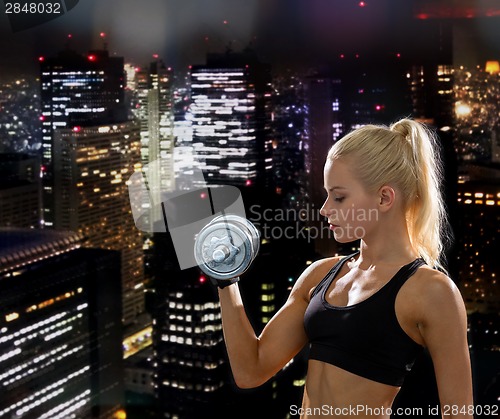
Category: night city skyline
[285,33]
[253,93]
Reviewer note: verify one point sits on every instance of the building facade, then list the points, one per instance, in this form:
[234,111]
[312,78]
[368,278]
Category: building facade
[19,190]
[77,90]
[60,327]
[230,116]
[91,167]
[154,110]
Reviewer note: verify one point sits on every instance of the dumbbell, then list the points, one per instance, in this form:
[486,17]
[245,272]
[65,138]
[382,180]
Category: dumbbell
[226,247]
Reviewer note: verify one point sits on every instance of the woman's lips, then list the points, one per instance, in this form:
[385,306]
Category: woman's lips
[333,226]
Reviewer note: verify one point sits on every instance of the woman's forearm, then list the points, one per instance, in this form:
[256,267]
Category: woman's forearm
[241,340]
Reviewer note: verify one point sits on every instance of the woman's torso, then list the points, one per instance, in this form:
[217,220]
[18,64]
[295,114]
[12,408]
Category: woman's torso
[335,391]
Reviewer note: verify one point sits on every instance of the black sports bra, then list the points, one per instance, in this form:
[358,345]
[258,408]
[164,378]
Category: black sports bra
[364,338]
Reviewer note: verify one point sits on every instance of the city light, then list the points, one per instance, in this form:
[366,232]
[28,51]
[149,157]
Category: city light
[462,109]
[492,67]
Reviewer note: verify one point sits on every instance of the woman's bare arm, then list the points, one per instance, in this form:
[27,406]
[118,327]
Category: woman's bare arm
[254,360]
[443,326]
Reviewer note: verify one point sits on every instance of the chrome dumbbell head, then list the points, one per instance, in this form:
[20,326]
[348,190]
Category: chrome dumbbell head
[226,247]
[245,225]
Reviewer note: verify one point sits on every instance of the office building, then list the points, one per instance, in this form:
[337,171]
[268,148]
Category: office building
[19,190]
[325,125]
[154,110]
[77,90]
[91,167]
[60,327]
[89,150]
[478,206]
[231,116]
[191,372]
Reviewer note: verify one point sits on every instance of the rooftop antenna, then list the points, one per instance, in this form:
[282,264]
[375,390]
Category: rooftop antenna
[104,42]
[68,42]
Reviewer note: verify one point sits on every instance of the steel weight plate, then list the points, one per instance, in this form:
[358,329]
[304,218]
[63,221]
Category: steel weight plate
[223,249]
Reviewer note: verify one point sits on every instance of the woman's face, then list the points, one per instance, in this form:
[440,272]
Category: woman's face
[351,210]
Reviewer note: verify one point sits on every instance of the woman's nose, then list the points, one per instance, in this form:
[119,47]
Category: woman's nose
[323,210]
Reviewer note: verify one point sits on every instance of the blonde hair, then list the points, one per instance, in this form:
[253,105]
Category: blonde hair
[405,155]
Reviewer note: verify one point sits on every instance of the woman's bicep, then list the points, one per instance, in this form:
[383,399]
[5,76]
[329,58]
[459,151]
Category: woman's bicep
[284,335]
[444,329]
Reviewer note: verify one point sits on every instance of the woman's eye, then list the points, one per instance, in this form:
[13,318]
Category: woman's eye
[339,199]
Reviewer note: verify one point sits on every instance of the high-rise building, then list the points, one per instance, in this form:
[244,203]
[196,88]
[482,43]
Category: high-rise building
[431,93]
[191,373]
[153,86]
[358,89]
[91,167]
[374,88]
[231,116]
[19,190]
[324,126]
[289,116]
[60,327]
[478,206]
[431,71]
[154,110]
[478,265]
[89,150]
[77,90]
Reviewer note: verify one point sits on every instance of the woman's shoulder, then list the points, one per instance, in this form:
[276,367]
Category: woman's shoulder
[314,273]
[430,288]
[430,281]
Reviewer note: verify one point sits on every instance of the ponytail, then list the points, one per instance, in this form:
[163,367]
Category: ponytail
[426,215]
[404,154]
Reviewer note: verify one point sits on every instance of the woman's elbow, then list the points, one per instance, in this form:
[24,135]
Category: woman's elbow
[248,381]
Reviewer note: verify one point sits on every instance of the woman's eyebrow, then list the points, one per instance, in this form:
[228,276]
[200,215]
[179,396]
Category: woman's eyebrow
[334,188]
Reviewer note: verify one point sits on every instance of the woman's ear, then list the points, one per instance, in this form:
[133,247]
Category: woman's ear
[386,196]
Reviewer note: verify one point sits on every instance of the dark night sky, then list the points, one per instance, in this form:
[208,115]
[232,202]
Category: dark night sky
[284,32]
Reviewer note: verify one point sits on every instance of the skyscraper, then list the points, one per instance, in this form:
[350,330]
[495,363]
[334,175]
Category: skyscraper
[191,373]
[89,151]
[358,89]
[91,167]
[478,270]
[154,111]
[478,206]
[325,125]
[60,328]
[77,90]
[231,116]
[19,190]
[231,119]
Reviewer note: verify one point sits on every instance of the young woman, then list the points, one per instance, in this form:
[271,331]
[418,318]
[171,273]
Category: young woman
[367,315]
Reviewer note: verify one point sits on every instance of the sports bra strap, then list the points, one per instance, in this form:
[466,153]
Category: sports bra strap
[332,273]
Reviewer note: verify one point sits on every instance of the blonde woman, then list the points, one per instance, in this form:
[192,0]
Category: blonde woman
[366,316]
